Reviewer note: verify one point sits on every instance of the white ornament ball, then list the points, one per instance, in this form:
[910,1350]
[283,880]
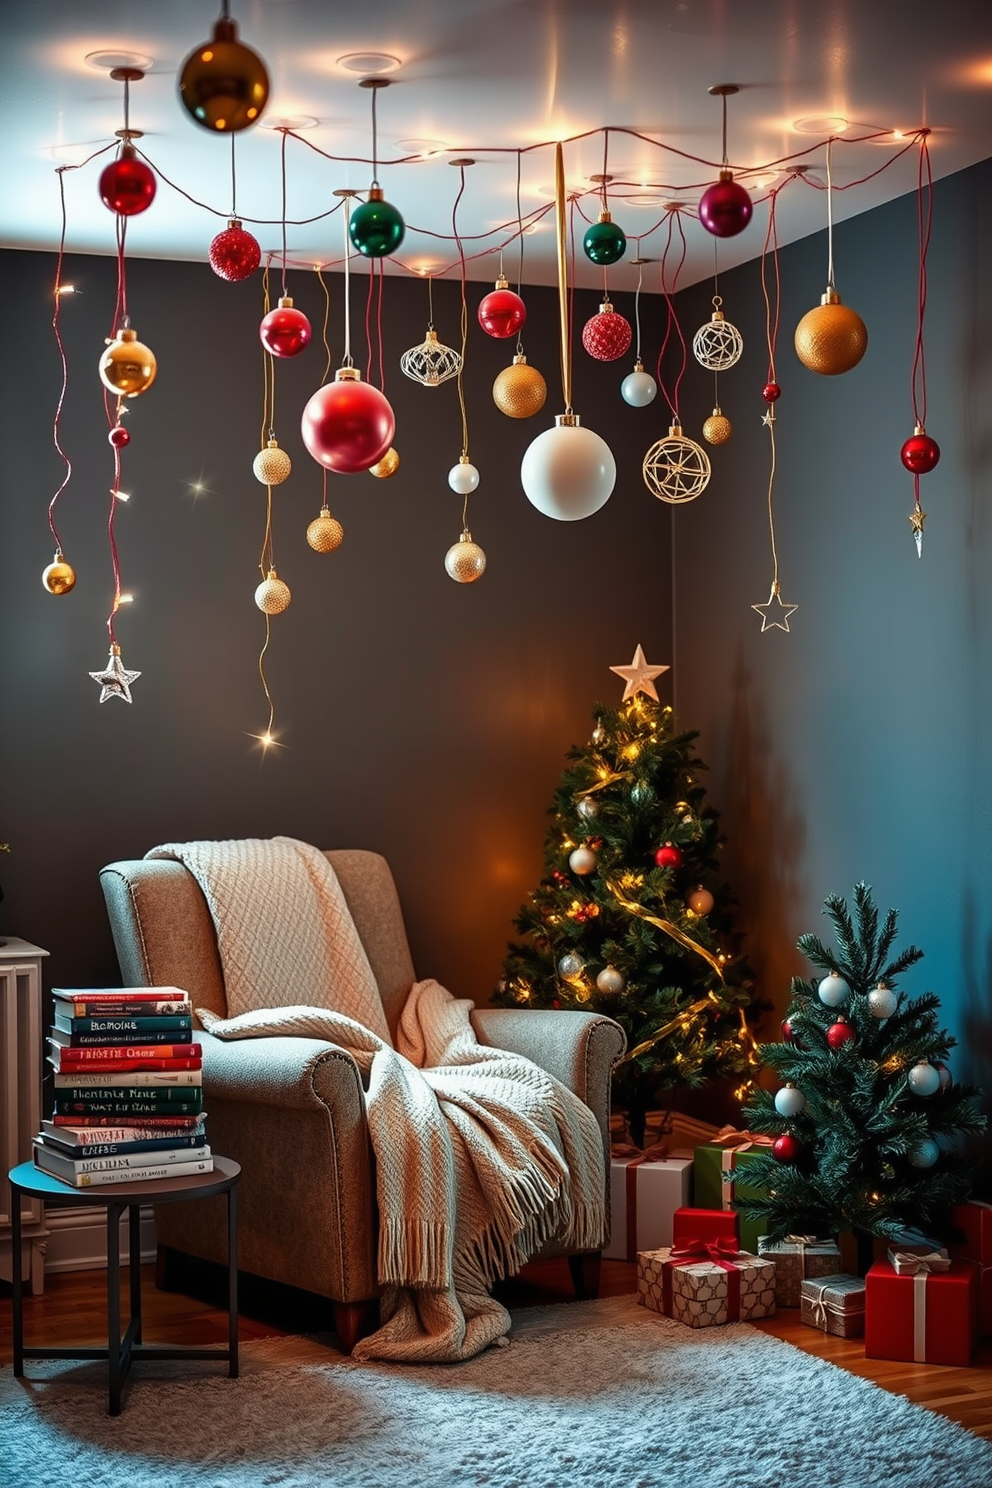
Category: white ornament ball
[833,990]
[638,388]
[923,1079]
[568,472]
[583,860]
[610,980]
[882,1001]
[571,965]
[587,808]
[463,478]
[700,901]
[925,1154]
[789,1101]
[946,1078]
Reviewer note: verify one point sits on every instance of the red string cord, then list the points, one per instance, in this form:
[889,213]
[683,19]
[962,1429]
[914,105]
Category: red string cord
[924,214]
[65,368]
[382,360]
[368,321]
[771,319]
[668,290]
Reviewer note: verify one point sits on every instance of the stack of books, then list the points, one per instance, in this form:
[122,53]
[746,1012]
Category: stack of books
[128,1088]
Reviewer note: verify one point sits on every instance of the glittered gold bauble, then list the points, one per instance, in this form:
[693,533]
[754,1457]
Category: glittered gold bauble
[717,429]
[519,390]
[127,367]
[325,532]
[387,466]
[59,577]
[271,465]
[831,338]
[272,596]
[465,561]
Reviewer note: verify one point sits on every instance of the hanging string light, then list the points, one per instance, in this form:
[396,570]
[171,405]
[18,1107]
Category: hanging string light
[725,208]
[285,331]
[638,387]
[920,453]
[831,338]
[675,469]
[519,390]
[430,363]
[464,561]
[325,533]
[223,84]
[234,254]
[376,227]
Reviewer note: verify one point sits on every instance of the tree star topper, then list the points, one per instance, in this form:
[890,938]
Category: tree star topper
[775,612]
[115,680]
[639,676]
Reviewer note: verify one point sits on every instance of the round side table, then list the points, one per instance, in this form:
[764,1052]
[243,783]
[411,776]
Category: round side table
[122,1351]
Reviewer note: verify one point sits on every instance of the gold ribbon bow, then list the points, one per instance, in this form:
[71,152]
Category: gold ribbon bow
[740,1141]
[645,1154]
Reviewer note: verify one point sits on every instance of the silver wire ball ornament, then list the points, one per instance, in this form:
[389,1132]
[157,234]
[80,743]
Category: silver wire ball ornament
[718,344]
[676,469]
[430,363]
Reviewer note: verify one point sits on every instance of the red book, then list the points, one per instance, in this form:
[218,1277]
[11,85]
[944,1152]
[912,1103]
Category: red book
[143,1121]
[80,1058]
[131,1066]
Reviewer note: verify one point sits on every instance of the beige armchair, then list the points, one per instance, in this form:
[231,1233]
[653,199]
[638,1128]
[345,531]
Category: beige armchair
[291,1110]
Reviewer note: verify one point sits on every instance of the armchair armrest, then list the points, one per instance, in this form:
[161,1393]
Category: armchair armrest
[291,1073]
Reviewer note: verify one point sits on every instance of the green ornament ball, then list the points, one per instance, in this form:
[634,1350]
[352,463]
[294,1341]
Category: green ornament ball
[604,243]
[376,228]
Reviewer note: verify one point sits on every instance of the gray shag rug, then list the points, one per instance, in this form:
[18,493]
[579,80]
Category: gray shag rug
[588,1395]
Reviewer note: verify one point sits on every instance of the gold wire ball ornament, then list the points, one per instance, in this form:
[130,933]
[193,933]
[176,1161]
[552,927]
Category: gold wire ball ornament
[431,362]
[676,469]
[387,466]
[465,561]
[272,596]
[519,390]
[831,338]
[718,344]
[59,577]
[127,367]
[325,532]
[272,465]
[717,429]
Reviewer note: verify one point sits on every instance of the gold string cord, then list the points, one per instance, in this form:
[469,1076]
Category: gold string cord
[566,349]
[265,561]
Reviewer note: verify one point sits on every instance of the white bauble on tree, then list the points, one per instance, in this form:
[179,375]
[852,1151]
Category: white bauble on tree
[568,472]
[610,980]
[571,965]
[789,1101]
[925,1153]
[923,1079]
[583,860]
[882,1001]
[833,990]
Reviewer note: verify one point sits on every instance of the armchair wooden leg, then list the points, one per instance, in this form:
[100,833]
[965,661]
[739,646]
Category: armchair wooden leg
[584,1269]
[353,1320]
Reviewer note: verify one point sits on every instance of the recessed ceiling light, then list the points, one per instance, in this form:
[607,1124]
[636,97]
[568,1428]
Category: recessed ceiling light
[648,199]
[289,121]
[107,61]
[369,64]
[425,148]
[820,124]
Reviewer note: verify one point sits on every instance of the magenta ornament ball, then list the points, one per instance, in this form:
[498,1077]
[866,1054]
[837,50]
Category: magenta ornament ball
[725,208]
[348,426]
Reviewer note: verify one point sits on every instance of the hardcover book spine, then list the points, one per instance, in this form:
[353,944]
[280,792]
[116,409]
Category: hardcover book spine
[178,1139]
[72,1167]
[147,1079]
[121,994]
[127,1109]
[132,1008]
[176,1023]
[123,1053]
[145,1175]
[163,1095]
[70,1066]
[121,1036]
[78,1119]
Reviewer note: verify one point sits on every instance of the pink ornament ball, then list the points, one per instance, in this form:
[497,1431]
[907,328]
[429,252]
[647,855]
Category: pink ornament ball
[607,336]
[285,331]
[127,184]
[234,254]
[119,436]
[725,208]
[348,426]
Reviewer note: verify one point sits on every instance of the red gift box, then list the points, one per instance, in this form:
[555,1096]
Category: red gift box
[975,1219]
[927,1316]
[705,1225]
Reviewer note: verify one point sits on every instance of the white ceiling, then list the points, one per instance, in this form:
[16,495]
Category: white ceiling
[484,78]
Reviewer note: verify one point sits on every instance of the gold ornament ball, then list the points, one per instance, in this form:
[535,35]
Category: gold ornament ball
[465,561]
[59,577]
[272,596]
[127,367]
[325,532]
[717,429]
[271,465]
[831,338]
[519,391]
[387,466]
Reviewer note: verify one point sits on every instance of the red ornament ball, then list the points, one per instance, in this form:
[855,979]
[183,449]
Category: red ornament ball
[127,184]
[788,1032]
[771,392]
[668,856]
[920,454]
[234,253]
[607,336]
[839,1034]
[502,313]
[285,331]
[119,436]
[786,1148]
[725,208]
[348,425]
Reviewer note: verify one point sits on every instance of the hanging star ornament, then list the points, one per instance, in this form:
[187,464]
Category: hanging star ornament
[639,676]
[775,612]
[917,517]
[115,679]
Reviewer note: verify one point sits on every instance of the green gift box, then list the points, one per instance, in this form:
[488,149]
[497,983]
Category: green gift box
[717,1179]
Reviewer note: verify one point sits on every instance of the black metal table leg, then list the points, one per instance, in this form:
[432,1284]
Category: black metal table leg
[134,1267]
[232,1283]
[114,1212]
[15,1275]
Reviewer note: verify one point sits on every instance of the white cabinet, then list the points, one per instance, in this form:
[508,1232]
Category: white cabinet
[20,1097]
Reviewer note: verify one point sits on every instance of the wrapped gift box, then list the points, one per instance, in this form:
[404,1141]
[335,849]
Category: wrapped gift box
[927,1314]
[644,1195]
[706,1225]
[796,1258]
[836,1305]
[704,1290]
[717,1171]
[975,1219]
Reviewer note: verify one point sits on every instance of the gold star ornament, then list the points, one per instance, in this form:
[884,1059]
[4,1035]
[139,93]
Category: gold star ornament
[775,612]
[639,676]
[917,517]
[115,680]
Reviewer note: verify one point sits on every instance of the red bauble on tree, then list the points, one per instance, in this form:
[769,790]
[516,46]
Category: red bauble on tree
[502,313]
[668,856]
[127,184]
[607,336]
[119,436]
[920,453]
[839,1034]
[348,425]
[771,392]
[234,253]
[786,1148]
[285,331]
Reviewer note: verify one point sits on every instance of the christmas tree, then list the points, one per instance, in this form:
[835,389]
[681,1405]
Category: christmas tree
[631,918]
[868,1121]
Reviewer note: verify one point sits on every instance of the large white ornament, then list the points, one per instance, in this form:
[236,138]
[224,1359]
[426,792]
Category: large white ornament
[925,1153]
[568,472]
[583,860]
[882,1001]
[923,1079]
[833,990]
[463,478]
[638,387]
[610,980]
[789,1101]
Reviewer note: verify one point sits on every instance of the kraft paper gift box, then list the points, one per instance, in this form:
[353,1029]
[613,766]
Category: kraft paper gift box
[717,1176]
[835,1305]
[706,1286]
[975,1219]
[796,1258]
[645,1192]
[925,1311]
[690,1226]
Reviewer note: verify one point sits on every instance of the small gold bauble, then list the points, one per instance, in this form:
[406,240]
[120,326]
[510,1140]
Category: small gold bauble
[387,466]
[127,366]
[717,429]
[325,532]
[59,577]
[519,391]
[831,338]
[272,596]
[465,561]
[271,465]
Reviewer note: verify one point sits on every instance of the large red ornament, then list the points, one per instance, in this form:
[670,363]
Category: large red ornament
[119,436]
[839,1034]
[920,453]
[234,253]
[502,313]
[127,184]
[668,856]
[786,1147]
[348,425]
[285,331]
[607,336]
[788,1032]
[725,209]
[771,392]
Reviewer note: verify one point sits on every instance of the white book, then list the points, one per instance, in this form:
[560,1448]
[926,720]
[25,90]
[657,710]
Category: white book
[147,1174]
[70,1168]
[129,1078]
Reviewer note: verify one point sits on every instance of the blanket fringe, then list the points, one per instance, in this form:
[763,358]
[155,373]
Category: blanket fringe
[415,1252]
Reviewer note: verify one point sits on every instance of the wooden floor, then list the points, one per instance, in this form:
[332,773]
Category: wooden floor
[73,1311]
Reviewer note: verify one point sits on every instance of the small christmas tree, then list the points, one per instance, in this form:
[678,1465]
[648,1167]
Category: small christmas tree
[868,1120]
[630,918]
